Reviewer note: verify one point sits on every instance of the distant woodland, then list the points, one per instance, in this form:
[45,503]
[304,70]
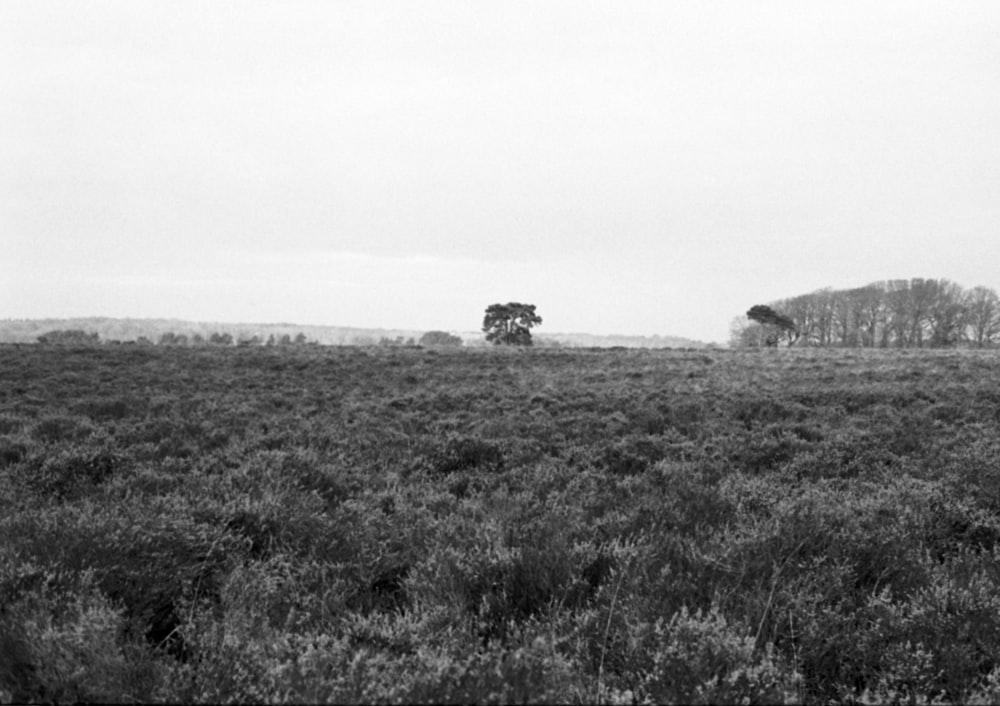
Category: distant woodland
[915,313]
[176,332]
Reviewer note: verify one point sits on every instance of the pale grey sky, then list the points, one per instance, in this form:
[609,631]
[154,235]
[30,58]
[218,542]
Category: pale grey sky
[628,167]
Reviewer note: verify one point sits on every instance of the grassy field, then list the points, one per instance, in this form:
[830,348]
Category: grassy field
[406,525]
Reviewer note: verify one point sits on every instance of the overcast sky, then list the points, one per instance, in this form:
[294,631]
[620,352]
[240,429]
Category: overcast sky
[628,167]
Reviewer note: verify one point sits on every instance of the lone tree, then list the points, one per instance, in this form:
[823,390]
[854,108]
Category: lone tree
[777,325]
[510,324]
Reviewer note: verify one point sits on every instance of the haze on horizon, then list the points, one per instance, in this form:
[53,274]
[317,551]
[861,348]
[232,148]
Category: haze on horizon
[640,168]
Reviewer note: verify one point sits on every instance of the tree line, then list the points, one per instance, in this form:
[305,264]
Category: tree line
[503,324]
[78,337]
[915,313]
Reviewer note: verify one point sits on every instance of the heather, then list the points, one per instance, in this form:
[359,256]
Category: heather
[399,525]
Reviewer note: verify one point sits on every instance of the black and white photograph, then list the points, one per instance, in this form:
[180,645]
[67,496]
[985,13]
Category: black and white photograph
[480,352]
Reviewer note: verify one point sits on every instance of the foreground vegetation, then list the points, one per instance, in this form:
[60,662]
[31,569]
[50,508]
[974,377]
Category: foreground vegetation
[405,525]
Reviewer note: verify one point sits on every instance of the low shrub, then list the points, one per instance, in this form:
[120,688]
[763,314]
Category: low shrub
[311,524]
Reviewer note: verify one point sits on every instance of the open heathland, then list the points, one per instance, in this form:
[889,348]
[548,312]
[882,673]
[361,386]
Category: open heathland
[499,525]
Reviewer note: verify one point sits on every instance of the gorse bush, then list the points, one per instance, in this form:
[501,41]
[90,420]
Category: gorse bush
[277,524]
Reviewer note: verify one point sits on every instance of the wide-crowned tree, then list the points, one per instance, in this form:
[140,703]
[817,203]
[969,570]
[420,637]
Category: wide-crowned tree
[777,325]
[510,324]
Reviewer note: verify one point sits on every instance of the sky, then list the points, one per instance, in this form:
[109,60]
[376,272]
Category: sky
[628,167]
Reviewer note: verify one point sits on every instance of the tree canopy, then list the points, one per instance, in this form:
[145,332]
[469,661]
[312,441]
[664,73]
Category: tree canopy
[776,326]
[510,324]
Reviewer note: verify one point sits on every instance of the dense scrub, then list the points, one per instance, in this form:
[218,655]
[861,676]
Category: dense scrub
[405,525]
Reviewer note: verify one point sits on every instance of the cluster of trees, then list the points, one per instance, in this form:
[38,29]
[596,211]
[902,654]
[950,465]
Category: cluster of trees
[915,313]
[440,338]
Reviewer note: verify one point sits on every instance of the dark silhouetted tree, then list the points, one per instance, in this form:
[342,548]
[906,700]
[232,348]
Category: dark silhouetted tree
[777,326]
[510,324]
